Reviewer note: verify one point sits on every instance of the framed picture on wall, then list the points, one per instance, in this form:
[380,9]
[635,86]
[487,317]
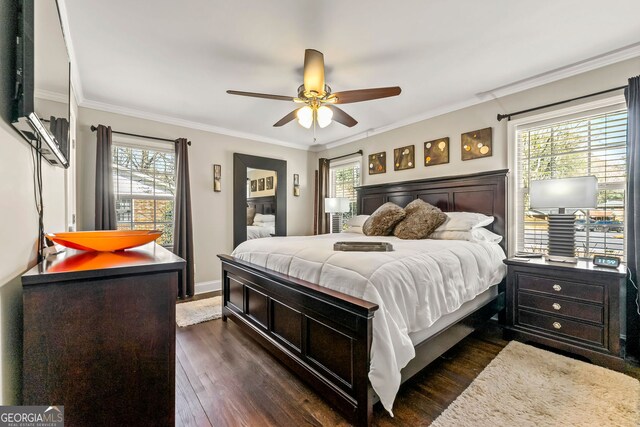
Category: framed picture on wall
[261,184]
[404,158]
[477,144]
[254,185]
[377,163]
[436,152]
[269,183]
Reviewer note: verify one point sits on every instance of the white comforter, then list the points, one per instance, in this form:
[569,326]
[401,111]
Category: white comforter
[416,284]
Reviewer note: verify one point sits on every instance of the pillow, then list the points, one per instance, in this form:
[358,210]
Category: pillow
[353,229]
[465,221]
[383,220]
[475,235]
[264,218]
[251,213]
[357,221]
[421,220]
[264,224]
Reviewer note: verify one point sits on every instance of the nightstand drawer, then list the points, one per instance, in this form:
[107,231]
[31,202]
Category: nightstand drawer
[551,286]
[561,326]
[564,307]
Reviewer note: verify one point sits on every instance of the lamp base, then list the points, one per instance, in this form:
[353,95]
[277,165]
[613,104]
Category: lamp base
[562,235]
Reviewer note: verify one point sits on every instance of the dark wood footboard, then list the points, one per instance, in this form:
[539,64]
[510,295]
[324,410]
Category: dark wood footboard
[322,335]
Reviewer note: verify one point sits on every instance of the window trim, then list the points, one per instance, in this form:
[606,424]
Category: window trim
[607,103]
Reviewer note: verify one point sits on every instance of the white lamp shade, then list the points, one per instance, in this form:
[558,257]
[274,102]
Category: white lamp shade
[577,193]
[336,205]
[305,116]
[324,115]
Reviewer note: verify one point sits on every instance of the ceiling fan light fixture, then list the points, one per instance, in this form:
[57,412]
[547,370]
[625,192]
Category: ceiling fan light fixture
[305,116]
[324,116]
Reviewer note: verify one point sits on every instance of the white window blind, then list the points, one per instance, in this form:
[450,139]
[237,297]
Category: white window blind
[344,178]
[144,183]
[591,144]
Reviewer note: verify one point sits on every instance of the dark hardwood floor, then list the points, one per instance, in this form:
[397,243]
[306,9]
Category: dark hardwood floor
[219,367]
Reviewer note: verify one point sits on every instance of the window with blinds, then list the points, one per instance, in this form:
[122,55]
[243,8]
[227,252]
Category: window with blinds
[593,144]
[344,178]
[144,183]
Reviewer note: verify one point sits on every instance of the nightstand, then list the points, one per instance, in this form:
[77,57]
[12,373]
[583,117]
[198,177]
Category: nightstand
[570,307]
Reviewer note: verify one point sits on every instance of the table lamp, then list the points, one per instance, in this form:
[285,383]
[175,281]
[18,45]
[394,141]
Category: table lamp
[334,205]
[565,193]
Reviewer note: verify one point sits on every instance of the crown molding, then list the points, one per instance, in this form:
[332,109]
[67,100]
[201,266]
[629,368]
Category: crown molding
[161,118]
[590,64]
[618,55]
[51,96]
[609,58]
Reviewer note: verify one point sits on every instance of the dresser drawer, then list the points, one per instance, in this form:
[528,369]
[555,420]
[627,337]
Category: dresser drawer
[562,327]
[564,307]
[593,293]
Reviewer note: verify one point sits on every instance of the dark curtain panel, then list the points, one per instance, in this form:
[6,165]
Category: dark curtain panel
[60,130]
[322,190]
[105,196]
[183,228]
[632,94]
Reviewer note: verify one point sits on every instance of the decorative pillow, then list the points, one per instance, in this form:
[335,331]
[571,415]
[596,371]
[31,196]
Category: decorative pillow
[383,220]
[475,235]
[251,213]
[465,221]
[357,221]
[421,220]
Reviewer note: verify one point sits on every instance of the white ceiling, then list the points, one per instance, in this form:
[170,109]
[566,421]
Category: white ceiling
[176,59]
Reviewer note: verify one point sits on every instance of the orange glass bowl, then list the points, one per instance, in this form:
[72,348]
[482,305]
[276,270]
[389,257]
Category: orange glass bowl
[104,241]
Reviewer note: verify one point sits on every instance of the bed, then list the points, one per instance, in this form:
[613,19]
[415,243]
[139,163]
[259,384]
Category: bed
[265,205]
[324,334]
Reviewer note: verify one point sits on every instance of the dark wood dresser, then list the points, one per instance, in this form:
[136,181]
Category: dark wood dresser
[99,336]
[574,308]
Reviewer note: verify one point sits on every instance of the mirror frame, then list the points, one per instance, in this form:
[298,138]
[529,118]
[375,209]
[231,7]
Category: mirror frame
[240,164]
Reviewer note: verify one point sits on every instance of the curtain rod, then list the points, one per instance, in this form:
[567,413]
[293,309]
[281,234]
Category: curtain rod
[346,155]
[508,116]
[94,128]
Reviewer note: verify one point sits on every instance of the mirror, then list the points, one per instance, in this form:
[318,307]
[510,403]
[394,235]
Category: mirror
[261,203]
[259,197]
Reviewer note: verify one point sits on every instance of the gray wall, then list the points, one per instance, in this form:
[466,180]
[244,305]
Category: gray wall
[19,225]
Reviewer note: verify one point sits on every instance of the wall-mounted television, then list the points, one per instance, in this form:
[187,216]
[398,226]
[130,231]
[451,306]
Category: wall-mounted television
[41,108]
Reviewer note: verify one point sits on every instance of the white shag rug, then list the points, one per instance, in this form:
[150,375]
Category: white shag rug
[525,386]
[192,312]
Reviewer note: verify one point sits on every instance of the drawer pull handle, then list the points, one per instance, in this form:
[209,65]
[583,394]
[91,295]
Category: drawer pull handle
[556,306]
[557,325]
[557,288]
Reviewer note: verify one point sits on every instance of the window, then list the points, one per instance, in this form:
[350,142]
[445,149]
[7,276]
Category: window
[144,183]
[588,144]
[344,177]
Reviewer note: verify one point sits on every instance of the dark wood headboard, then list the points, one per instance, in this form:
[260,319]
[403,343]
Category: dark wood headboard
[265,205]
[484,192]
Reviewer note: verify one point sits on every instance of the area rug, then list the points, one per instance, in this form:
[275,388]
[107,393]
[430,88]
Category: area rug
[525,386]
[192,312]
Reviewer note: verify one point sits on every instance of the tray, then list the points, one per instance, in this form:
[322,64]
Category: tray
[363,246]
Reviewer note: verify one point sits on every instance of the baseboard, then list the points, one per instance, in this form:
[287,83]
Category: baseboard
[202,287]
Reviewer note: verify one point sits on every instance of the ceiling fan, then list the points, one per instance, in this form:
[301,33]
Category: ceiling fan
[319,102]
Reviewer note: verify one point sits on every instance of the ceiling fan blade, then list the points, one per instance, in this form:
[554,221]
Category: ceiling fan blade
[286,119]
[350,96]
[314,71]
[261,95]
[341,117]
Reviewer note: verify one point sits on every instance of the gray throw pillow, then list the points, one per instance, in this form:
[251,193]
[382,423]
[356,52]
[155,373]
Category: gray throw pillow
[422,219]
[251,213]
[382,221]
